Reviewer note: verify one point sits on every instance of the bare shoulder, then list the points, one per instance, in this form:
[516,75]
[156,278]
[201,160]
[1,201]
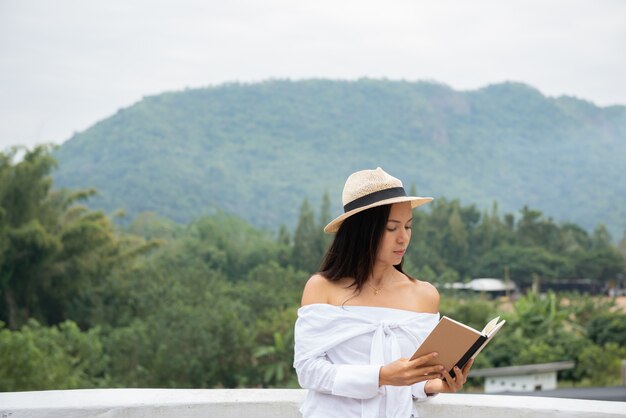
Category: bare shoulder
[427,296]
[317,290]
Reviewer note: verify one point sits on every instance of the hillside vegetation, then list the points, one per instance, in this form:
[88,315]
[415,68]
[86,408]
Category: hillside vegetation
[212,304]
[257,150]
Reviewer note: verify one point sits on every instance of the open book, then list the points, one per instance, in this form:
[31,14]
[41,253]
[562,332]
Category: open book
[456,343]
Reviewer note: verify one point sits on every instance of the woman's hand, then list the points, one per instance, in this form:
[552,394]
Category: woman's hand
[405,372]
[449,384]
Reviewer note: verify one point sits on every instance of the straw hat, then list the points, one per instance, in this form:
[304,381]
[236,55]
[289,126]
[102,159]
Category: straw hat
[370,188]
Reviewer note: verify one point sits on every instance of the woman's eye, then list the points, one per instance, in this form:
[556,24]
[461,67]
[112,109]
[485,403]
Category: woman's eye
[391,229]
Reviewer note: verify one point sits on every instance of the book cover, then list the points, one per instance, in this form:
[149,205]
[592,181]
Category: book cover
[456,342]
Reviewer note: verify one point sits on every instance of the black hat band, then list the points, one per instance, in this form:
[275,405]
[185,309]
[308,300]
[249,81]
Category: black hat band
[368,199]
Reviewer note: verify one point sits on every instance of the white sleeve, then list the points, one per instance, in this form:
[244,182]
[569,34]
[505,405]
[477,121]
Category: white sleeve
[419,393]
[350,380]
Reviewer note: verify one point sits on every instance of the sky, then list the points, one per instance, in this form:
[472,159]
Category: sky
[66,64]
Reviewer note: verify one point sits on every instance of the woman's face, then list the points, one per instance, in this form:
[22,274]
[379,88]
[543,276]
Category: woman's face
[397,235]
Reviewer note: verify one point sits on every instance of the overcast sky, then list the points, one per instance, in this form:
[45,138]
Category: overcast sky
[66,64]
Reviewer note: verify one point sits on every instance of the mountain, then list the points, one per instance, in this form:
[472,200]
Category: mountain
[257,150]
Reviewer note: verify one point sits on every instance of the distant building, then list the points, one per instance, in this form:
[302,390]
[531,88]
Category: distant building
[527,378]
[492,287]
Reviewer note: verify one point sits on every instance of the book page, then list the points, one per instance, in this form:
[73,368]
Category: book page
[490,325]
[491,334]
[495,329]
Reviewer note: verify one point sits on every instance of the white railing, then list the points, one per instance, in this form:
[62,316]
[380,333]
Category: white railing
[275,403]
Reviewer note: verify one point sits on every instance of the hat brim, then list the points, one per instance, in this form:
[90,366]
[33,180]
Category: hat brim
[334,225]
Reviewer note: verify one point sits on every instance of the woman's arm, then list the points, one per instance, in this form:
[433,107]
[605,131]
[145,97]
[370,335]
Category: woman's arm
[405,372]
[350,380]
[319,373]
[362,381]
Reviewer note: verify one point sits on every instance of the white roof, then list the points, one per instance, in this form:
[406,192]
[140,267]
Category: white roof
[483,285]
[525,369]
[490,285]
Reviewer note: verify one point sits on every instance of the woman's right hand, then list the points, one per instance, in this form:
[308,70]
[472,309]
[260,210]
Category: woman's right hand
[405,372]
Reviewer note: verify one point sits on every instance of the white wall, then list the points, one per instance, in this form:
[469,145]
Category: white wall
[278,403]
[524,383]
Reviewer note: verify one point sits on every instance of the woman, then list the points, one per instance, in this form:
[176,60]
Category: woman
[362,318]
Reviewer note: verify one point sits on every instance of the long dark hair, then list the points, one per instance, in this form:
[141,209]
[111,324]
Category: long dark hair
[355,246]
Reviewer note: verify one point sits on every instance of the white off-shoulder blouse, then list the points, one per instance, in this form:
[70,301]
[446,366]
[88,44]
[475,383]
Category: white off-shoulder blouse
[338,354]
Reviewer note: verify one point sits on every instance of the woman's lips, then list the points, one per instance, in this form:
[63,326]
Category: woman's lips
[400,252]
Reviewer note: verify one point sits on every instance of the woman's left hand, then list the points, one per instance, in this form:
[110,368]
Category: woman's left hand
[449,384]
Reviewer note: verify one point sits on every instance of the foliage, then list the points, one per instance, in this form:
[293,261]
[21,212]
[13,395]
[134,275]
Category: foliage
[452,242]
[52,251]
[176,330]
[602,364]
[218,315]
[212,303]
[584,309]
[539,315]
[60,357]
[274,354]
[608,327]
[553,327]
[473,311]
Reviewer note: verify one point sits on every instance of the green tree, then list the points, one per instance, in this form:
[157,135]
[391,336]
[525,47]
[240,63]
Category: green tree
[229,244]
[538,316]
[269,287]
[533,230]
[601,238]
[601,364]
[324,219]
[490,233]
[524,263]
[25,244]
[306,245]
[456,243]
[177,324]
[573,239]
[52,249]
[608,327]
[273,354]
[60,357]
[601,264]
[325,216]
[283,235]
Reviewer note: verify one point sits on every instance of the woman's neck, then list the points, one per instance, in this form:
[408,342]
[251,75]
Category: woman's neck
[382,274]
